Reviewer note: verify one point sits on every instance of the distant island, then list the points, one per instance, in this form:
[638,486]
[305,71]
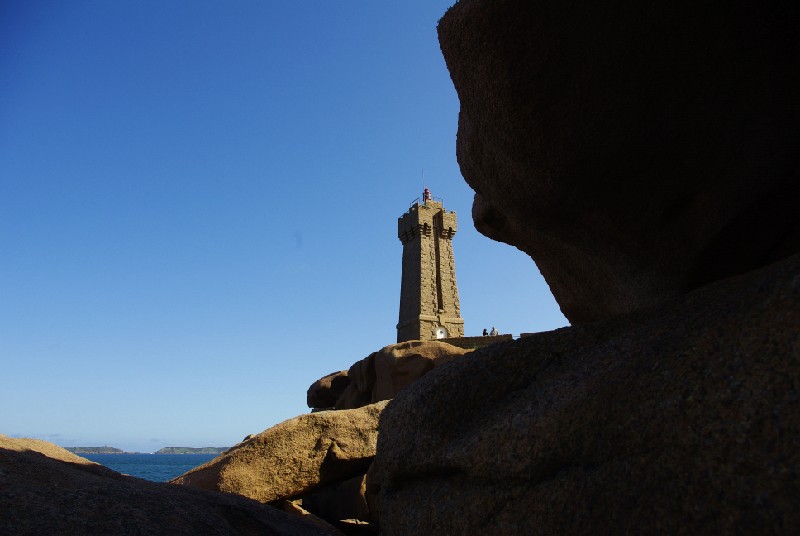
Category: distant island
[95,450]
[192,450]
[165,450]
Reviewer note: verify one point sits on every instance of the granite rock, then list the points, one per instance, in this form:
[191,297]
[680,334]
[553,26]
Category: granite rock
[294,457]
[324,392]
[678,419]
[340,501]
[635,151]
[46,490]
[382,374]
[295,509]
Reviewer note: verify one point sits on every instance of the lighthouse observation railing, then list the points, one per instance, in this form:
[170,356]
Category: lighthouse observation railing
[418,201]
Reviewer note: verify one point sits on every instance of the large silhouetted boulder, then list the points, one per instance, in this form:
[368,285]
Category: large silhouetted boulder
[295,456]
[678,419]
[46,490]
[382,374]
[636,150]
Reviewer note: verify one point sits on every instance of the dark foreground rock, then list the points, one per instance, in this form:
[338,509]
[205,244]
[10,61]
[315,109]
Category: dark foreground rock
[636,150]
[681,419]
[44,490]
[340,501]
[295,456]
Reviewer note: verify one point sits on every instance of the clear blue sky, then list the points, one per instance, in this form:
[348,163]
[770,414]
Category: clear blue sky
[198,210]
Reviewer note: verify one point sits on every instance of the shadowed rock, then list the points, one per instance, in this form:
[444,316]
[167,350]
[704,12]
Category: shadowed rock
[324,392]
[635,151]
[295,456]
[46,490]
[291,507]
[681,419]
[344,500]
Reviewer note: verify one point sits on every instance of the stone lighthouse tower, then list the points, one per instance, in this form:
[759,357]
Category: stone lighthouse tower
[429,307]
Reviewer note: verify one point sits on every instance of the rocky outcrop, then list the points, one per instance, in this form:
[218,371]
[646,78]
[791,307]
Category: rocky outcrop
[46,490]
[341,501]
[322,458]
[635,151]
[681,419]
[294,457]
[382,374]
[324,392]
[52,451]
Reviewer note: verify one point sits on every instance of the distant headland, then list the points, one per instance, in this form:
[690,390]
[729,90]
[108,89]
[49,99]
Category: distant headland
[97,450]
[191,450]
[165,450]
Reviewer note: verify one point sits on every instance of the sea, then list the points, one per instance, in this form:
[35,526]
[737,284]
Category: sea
[155,467]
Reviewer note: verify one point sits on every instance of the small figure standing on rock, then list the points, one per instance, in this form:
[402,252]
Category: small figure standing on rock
[494,332]
[426,195]
[485,333]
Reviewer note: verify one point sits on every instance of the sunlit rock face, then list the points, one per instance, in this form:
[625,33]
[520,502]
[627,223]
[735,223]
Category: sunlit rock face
[636,150]
[294,457]
[382,374]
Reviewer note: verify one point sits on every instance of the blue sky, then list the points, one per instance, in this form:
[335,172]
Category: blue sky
[198,210]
